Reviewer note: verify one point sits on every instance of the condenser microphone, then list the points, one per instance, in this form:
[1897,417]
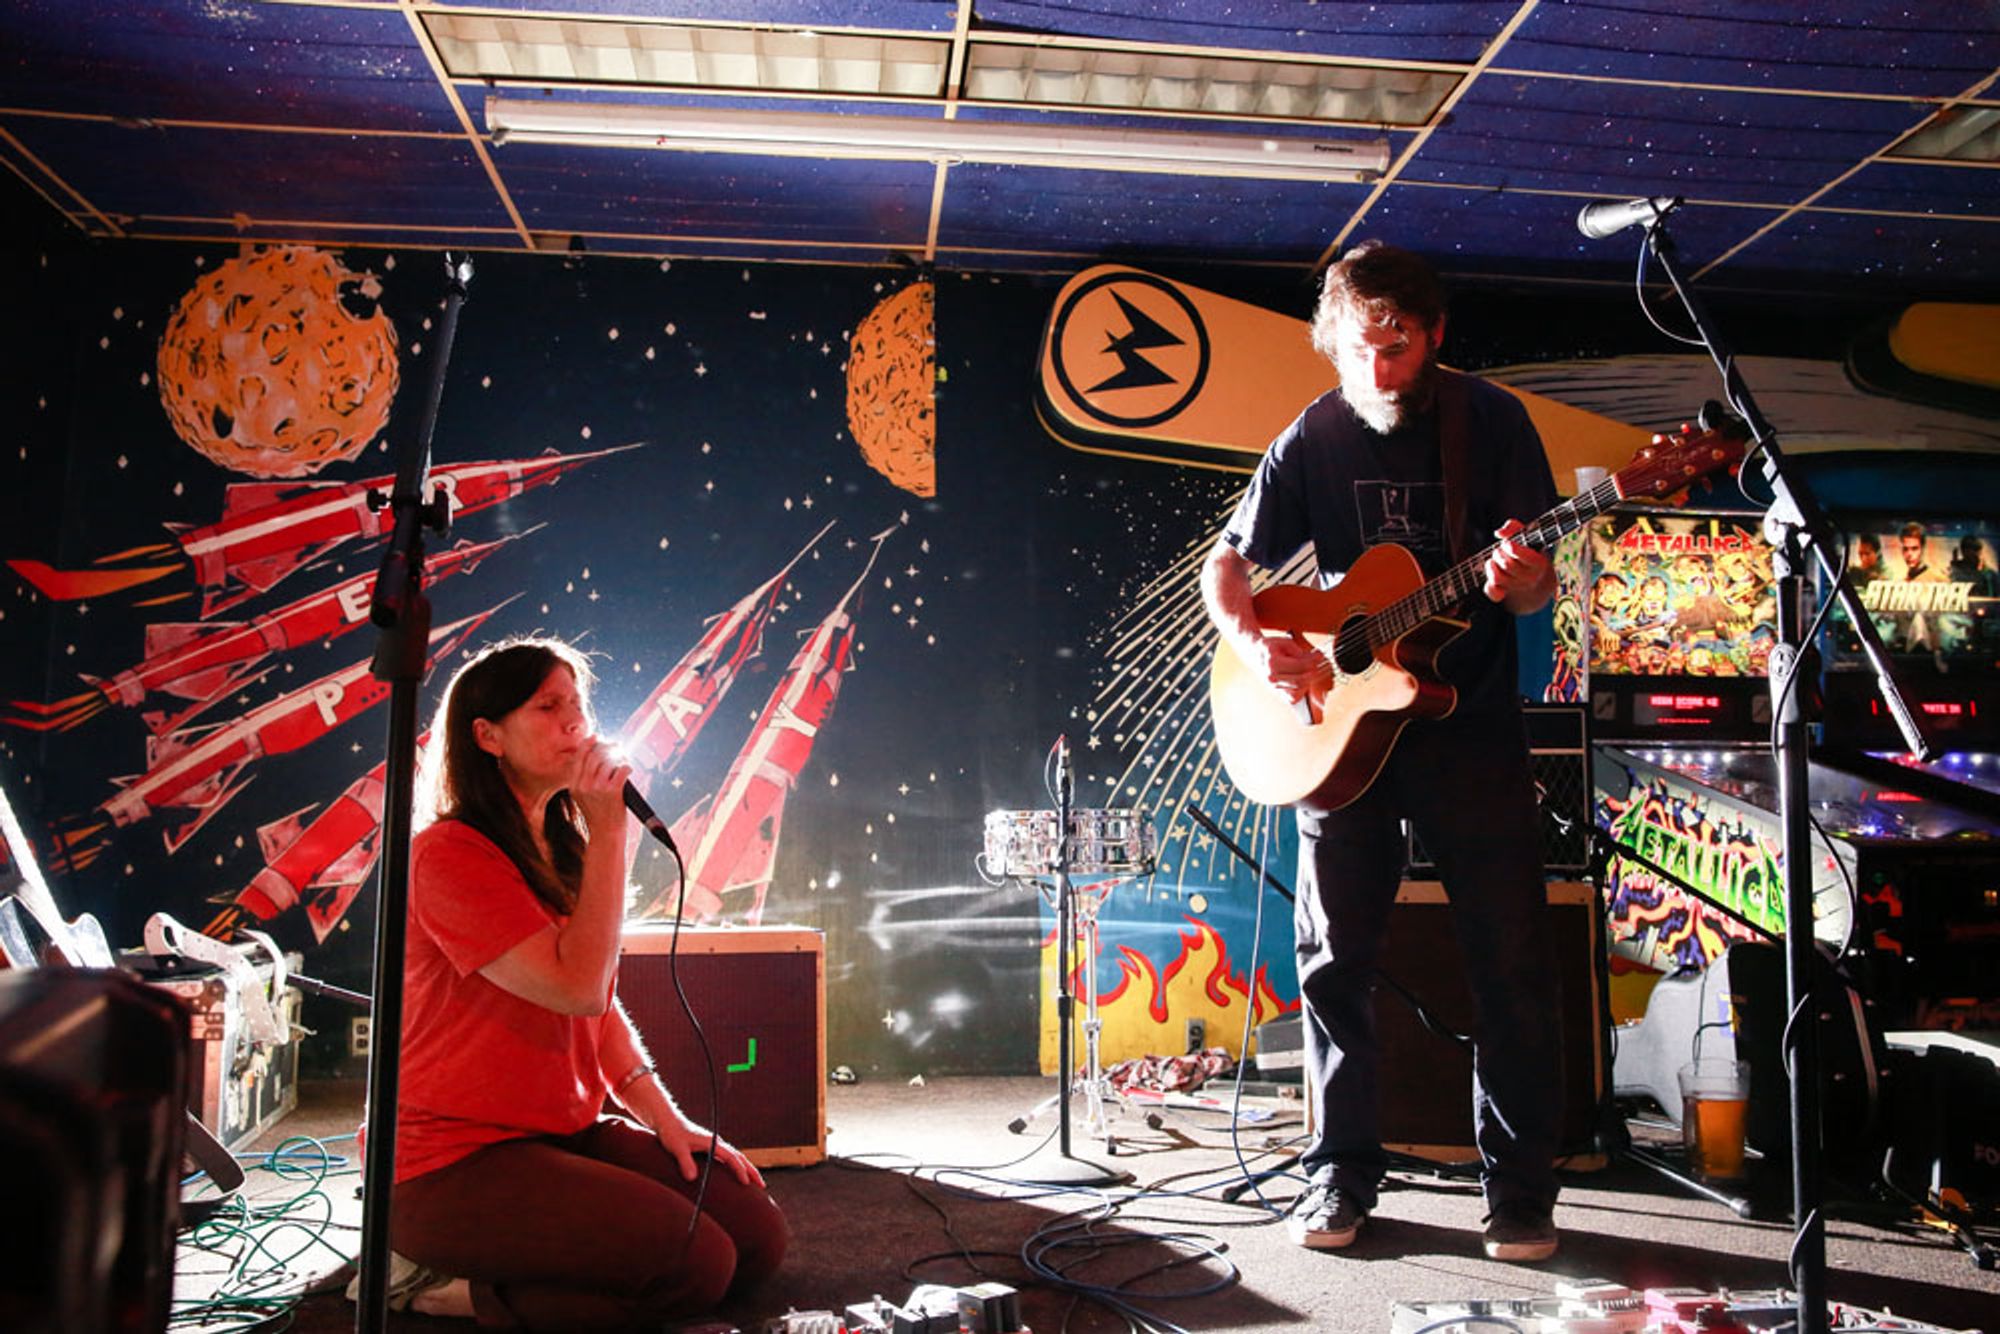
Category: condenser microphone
[655,826]
[1608,217]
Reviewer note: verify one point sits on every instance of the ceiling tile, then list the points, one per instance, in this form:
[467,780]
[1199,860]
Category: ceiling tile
[1935,48]
[240,64]
[1599,138]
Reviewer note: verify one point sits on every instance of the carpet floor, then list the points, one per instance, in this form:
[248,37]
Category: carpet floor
[921,1186]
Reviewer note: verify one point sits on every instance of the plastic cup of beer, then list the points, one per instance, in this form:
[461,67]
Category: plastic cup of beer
[1715,1103]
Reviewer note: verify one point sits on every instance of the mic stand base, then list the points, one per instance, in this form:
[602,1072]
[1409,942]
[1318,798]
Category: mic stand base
[1050,1166]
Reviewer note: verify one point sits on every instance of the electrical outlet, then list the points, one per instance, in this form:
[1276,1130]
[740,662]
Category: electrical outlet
[1197,1035]
[358,1029]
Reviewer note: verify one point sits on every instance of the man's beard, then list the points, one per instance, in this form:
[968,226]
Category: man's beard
[1384,412]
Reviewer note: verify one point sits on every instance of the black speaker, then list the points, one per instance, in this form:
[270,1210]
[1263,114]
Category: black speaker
[94,1070]
[1853,1059]
[1426,1079]
[1945,1119]
[1559,760]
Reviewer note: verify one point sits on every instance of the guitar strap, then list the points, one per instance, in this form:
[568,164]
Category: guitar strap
[1455,460]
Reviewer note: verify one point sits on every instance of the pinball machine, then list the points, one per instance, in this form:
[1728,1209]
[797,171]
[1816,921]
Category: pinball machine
[1670,621]
[1664,625]
[1674,619]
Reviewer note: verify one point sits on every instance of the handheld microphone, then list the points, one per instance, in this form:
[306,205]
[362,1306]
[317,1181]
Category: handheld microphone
[1607,217]
[655,826]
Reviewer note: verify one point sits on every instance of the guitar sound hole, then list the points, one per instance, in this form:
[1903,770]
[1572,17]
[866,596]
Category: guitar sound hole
[1351,653]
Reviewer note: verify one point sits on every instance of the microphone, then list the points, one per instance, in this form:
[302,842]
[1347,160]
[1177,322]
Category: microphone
[644,813]
[1609,216]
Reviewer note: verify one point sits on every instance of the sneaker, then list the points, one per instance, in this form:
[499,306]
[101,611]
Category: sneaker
[407,1278]
[1520,1232]
[1324,1219]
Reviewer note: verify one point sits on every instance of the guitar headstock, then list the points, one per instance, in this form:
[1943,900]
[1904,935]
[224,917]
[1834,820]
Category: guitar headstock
[1671,463]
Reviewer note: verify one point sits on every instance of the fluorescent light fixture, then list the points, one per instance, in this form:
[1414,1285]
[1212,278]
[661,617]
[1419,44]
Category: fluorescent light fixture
[1955,134]
[1000,68]
[688,55]
[1193,83]
[928,139]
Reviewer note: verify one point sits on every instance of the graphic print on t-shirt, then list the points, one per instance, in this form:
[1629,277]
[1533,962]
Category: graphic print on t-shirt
[1410,514]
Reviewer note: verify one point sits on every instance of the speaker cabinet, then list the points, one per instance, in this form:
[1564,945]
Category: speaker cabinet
[1426,1079]
[1559,762]
[759,994]
[94,1073]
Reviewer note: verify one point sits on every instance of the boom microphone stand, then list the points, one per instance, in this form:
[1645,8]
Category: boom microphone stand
[402,613]
[1799,533]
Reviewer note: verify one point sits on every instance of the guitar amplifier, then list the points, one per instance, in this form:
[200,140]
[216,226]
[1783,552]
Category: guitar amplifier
[759,994]
[1559,760]
[1426,1079]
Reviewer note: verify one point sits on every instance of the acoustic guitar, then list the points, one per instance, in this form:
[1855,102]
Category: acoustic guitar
[1380,630]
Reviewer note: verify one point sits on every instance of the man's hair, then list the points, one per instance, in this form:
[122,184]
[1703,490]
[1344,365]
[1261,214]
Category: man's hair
[1376,284]
[467,784]
[1913,529]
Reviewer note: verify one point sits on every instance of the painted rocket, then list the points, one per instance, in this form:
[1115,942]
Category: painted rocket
[203,663]
[732,836]
[198,769]
[320,865]
[270,530]
[662,728]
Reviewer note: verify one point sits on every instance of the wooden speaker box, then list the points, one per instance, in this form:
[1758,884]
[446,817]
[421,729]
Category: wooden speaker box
[1426,1080]
[759,994]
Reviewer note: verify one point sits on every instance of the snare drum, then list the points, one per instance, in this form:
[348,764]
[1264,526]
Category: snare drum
[1112,840]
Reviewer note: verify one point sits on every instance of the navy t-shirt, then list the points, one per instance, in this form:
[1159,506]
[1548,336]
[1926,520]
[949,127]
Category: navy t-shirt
[1331,480]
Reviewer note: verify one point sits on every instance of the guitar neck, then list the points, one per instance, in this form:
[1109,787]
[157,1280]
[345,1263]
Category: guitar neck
[1442,594]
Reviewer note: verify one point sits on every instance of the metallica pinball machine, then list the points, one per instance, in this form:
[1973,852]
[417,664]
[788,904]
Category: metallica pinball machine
[1665,620]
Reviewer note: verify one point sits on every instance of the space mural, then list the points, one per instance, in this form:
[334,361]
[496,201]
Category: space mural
[841,591]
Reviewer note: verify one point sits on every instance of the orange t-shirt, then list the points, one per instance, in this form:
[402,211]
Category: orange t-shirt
[480,1064]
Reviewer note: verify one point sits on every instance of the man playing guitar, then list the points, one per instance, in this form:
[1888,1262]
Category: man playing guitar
[1435,461]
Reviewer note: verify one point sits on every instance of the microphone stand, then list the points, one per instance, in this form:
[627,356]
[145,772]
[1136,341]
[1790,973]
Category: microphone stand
[402,613]
[1799,532]
[1067,1169]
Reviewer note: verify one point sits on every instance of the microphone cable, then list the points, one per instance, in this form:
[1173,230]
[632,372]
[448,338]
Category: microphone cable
[701,1042]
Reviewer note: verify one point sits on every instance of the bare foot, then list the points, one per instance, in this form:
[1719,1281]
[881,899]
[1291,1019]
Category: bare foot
[450,1298]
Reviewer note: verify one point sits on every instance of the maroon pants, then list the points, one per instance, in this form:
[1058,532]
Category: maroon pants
[586,1232]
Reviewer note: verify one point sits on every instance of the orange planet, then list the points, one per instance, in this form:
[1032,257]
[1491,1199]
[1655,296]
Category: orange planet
[891,375]
[279,363]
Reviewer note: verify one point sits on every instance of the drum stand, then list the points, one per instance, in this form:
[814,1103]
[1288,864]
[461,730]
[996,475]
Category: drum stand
[1063,1168]
[1095,1088]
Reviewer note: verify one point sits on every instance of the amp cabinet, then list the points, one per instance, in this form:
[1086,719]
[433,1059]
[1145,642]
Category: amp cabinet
[1426,1080]
[759,994]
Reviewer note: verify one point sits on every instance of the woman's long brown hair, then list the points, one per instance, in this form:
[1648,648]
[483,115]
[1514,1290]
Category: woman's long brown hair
[466,783]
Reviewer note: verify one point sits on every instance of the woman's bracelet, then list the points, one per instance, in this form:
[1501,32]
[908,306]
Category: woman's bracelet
[637,1073]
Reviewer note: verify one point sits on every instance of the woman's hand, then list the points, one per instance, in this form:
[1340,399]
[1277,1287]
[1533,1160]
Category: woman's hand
[599,788]
[684,1139]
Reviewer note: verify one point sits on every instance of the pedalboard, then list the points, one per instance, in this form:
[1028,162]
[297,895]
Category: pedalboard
[984,1308]
[1599,1306]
